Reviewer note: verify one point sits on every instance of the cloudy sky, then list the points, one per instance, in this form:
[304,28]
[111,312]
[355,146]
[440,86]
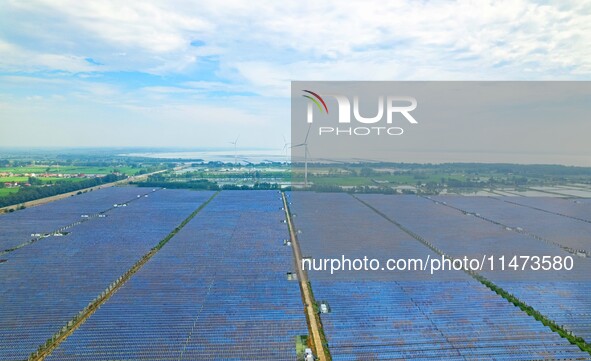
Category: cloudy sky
[198,73]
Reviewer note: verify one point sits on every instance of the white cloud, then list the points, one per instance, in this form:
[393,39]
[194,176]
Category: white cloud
[156,36]
[459,40]
[205,51]
[18,59]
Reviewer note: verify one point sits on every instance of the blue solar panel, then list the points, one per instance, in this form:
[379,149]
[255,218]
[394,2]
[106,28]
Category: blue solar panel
[409,317]
[45,284]
[217,291]
[457,234]
[17,228]
[575,208]
[566,231]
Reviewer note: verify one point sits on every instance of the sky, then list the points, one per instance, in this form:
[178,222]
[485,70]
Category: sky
[199,73]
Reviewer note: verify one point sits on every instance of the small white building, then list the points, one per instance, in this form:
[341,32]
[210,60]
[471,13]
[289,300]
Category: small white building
[309,356]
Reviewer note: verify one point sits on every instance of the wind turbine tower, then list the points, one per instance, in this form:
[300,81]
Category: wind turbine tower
[285,148]
[305,145]
[235,151]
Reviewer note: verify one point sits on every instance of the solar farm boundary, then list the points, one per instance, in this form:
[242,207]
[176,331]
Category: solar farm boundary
[529,310]
[40,201]
[52,343]
[69,226]
[513,229]
[314,322]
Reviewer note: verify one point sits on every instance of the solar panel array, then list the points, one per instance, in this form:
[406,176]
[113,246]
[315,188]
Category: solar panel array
[561,297]
[432,321]
[217,291]
[576,208]
[461,234]
[567,302]
[44,285]
[410,317]
[566,231]
[16,228]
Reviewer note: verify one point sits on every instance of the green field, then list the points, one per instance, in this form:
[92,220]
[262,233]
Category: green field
[6,191]
[340,181]
[13,179]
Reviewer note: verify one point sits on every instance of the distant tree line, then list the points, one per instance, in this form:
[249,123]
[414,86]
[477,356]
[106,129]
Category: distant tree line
[26,194]
[528,170]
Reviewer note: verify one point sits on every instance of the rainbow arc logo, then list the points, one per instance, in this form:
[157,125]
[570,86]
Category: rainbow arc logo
[317,99]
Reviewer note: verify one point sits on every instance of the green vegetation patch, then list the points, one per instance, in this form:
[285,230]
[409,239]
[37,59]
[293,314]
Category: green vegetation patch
[301,342]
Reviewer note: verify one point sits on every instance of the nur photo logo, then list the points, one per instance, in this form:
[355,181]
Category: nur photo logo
[387,105]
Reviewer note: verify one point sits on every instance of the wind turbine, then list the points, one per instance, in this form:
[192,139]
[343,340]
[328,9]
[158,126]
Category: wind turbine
[305,145]
[235,153]
[285,148]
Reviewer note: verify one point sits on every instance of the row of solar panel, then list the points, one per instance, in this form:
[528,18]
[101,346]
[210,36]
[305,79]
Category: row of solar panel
[46,284]
[575,208]
[408,317]
[221,292]
[566,302]
[216,291]
[16,228]
[566,231]
[458,234]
